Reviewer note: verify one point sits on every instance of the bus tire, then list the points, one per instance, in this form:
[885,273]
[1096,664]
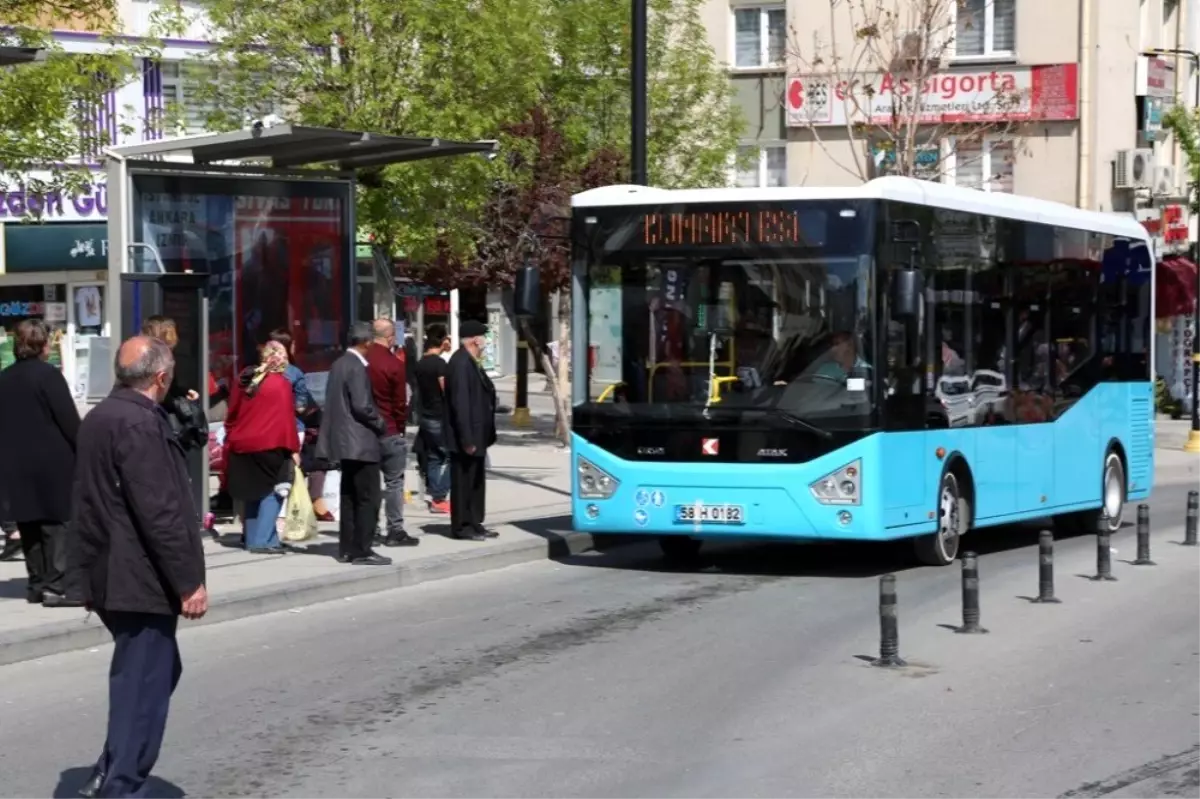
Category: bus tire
[679,548]
[940,548]
[1112,500]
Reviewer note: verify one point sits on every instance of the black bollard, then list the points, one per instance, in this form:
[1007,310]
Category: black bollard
[889,628]
[1103,553]
[1189,524]
[1046,569]
[1143,537]
[970,594]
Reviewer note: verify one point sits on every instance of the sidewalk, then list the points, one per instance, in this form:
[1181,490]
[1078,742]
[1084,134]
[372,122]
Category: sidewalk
[528,497]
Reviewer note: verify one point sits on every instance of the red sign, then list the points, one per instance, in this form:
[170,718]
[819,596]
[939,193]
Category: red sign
[710,446]
[979,94]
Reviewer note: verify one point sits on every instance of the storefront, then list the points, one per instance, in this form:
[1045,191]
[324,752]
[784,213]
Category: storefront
[56,272]
[1174,298]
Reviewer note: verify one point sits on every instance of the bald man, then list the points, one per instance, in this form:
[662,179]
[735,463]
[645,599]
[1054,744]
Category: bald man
[389,385]
[140,560]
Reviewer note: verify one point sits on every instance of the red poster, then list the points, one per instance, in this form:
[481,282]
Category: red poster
[289,275]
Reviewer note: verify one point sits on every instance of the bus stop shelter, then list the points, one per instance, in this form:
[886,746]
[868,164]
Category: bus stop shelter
[236,234]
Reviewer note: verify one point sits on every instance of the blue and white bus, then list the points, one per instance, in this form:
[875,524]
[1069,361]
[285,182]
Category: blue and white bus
[900,359]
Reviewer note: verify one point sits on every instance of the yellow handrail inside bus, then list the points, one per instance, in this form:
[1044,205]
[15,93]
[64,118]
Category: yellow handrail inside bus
[607,393]
[717,384]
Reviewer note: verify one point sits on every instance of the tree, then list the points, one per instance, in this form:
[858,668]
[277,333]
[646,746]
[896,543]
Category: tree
[1184,124]
[527,223]
[48,108]
[469,70]
[877,77]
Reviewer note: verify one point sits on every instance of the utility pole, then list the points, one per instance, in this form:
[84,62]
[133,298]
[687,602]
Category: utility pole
[637,77]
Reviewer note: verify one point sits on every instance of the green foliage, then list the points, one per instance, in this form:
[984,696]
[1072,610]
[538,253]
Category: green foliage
[1184,124]
[467,70]
[47,108]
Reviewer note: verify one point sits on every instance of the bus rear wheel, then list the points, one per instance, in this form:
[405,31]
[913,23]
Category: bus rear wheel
[1107,517]
[940,548]
[680,548]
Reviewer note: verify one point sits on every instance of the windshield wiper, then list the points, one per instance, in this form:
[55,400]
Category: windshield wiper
[787,416]
[799,422]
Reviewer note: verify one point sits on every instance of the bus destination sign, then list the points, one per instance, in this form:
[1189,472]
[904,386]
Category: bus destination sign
[715,228]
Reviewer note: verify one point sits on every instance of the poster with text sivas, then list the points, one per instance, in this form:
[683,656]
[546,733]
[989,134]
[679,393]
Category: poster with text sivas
[289,275]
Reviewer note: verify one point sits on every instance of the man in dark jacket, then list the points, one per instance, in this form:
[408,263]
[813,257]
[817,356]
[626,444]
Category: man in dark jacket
[38,425]
[389,386]
[139,557]
[470,430]
[350,435]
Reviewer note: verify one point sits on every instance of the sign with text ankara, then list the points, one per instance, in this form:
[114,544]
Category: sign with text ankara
[954,95]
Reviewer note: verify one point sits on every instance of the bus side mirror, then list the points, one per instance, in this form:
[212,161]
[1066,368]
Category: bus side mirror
[908,285]
[527,293]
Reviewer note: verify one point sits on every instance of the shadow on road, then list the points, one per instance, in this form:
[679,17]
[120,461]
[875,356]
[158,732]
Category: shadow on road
[72,779]
[840,559]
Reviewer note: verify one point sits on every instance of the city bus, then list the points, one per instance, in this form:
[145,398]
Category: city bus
[897,360]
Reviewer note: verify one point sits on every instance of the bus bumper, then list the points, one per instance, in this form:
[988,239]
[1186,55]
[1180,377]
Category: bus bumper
[753,500]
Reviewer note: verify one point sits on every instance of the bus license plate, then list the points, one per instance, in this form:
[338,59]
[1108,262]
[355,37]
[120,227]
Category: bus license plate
[710,514]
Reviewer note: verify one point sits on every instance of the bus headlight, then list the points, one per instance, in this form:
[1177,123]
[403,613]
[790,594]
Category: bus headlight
[594,482]
[843,487]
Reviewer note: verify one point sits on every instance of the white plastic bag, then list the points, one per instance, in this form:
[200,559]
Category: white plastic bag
[332,493]
[300,520]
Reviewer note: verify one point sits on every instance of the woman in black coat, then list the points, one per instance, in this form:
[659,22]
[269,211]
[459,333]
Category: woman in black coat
[38,425]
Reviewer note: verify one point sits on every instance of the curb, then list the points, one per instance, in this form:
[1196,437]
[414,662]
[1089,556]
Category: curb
[84,633]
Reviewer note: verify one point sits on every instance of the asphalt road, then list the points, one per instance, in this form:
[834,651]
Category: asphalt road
[603,676]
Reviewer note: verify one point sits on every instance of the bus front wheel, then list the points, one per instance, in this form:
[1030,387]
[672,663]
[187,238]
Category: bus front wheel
[679,548]
[954,517]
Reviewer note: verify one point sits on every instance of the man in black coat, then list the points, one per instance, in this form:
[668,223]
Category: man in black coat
[470,429]
[38,425]
[139,556]
[351,428]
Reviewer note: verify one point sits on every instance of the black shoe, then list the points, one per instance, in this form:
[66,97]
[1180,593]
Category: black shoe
[486,533]
[378,539]
[267,551]
[470,535]
[34,599]
[59,601]
[401,539]
[342,557]
[371,559]
[11,550]
[92,786]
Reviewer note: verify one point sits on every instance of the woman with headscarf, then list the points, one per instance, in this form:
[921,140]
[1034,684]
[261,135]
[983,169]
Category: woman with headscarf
[262,447]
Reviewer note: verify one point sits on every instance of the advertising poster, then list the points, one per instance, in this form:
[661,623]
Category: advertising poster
[274,252]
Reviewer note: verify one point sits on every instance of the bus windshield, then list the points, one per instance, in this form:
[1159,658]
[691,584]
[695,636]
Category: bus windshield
[733,315]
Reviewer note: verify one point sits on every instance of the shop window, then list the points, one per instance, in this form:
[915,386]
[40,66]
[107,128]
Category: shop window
[984,28]
[760,166]
[760,36]
[986,165]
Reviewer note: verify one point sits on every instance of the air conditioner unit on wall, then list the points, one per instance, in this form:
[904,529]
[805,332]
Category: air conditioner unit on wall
[1134,169]
[1164,181]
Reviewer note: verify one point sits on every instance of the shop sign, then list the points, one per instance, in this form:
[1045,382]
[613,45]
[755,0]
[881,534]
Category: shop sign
[89,204]
[959,95]
[23,309]
[33,247]
[1160,79]
[1167,226]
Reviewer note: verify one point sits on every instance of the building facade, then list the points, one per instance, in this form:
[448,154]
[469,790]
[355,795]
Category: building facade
[1057,100]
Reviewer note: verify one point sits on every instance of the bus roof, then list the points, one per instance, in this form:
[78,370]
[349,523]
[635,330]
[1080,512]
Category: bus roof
[900,189]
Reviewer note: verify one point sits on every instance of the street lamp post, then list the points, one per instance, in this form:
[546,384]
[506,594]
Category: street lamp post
[637,79]
[1193,439]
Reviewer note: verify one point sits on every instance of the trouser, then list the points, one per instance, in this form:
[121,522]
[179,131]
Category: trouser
[258,522]
[359,516]
[45,547]
[437,465]
[468,482]
[394,451]
[144,672]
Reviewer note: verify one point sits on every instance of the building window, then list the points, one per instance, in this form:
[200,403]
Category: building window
[985,165]
[760,36]
[760,166]
[182,99]
[985,28]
